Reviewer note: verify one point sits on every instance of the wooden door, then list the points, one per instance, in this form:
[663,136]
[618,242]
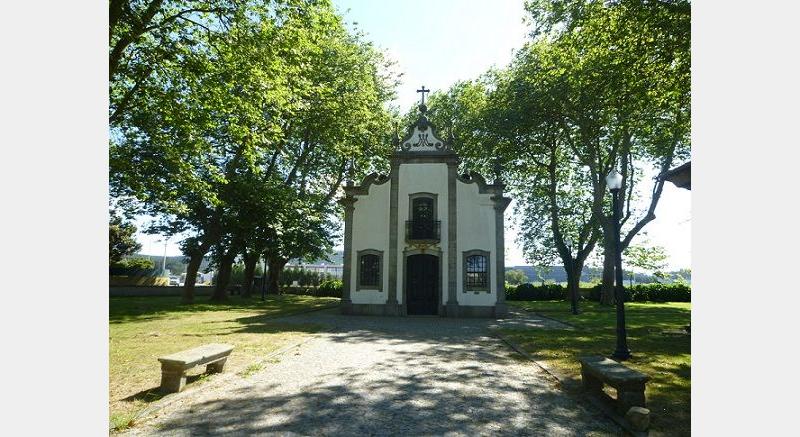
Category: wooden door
[422,284]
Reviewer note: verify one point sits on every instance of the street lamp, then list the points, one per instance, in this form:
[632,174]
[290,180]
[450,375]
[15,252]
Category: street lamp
[614,182]
[573,292]
[264,279]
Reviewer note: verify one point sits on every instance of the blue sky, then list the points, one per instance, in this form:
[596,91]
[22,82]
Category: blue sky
[436,43]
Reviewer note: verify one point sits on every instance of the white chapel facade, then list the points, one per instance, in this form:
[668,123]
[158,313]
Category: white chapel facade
[424,240]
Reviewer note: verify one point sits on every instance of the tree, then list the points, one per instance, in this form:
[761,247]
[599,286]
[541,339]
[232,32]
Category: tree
[516,276]
[121,240]
[624,67]
[684,275]
[507,122]
[542,272]
[601,85]
[146,35]
[649,259]
[260,112]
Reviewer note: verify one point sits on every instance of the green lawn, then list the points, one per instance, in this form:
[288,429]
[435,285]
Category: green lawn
[666,359]
[143,328]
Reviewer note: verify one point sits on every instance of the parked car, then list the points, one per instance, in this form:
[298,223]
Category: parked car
[174,280]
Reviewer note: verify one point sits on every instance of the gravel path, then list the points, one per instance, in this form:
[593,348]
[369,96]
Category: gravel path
[387,376]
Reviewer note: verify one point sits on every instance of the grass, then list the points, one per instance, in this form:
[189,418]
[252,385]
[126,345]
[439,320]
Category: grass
[665,358]
[143,328]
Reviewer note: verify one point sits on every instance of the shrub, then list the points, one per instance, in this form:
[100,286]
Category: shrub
[303,277]
[528,291]
[304,291]
[133,267]
[675,292]
[330,288]
[511,292]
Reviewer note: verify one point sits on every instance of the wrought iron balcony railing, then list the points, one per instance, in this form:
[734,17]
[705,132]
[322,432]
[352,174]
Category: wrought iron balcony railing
[423,230]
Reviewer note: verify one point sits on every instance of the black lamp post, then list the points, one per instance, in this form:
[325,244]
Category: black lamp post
[573,298]
[264,279]
[614,181]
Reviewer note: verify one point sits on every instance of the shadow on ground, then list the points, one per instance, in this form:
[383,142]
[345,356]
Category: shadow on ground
[393,376]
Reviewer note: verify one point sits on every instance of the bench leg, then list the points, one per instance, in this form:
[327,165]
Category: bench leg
[172,380]
[216,366]
[590,384]
[630,398]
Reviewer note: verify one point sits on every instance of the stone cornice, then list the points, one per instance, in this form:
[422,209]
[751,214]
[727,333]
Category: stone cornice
[348,202]
[449,159]
[363,188]
[501,202]
[483,187]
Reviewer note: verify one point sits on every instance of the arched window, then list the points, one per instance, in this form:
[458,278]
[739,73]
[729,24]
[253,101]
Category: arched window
[369,269]
[476,270]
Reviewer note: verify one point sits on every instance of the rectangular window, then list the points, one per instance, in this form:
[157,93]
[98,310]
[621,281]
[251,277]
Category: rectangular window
[369,269]
[476,270]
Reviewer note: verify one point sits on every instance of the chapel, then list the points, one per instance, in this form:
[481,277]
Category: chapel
[424,240]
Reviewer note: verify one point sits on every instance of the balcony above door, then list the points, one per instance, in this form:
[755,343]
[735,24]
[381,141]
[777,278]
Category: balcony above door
[423,231]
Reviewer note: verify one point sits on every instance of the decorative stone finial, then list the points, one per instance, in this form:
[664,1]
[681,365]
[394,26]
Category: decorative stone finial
[396,137]
[498,170]
[350,170]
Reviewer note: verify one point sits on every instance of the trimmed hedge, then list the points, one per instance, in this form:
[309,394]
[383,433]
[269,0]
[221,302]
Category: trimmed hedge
[528,291]
[330,288]
[676,292]
[304,291]
[133,267]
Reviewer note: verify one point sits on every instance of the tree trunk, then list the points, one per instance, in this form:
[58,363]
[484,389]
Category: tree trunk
[191,277]
[573,284]
[250,261]
[607,289]
[195,260]
[223,277]
[275,268]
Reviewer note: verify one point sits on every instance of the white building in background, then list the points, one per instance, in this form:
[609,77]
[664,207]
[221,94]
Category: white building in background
[424,240]
[334,270]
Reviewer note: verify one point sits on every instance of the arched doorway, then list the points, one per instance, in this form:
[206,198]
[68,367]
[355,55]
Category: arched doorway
[422,284]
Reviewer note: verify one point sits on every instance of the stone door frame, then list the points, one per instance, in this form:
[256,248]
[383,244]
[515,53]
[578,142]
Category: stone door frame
[435,251]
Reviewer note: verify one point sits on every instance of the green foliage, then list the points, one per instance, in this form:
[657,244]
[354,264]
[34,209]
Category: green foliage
[121,241]
[675,292]
[528,291]
[683,275]
[237,274]
[511,291]
[327,288]
[600,85]
[236,122]
[650,259]
[134,267]
[516,276]
[332,288]
[542,272]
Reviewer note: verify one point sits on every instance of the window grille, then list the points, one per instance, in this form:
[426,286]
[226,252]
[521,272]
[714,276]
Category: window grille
[476,272]
[370,270]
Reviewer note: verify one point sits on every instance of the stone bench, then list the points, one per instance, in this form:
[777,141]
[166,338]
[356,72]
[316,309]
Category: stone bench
[597,370]
[174,366]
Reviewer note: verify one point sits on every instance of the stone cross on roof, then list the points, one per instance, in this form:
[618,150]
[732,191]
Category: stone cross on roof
[423,91]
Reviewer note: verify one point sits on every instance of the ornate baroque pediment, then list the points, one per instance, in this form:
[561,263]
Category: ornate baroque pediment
[422,138]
